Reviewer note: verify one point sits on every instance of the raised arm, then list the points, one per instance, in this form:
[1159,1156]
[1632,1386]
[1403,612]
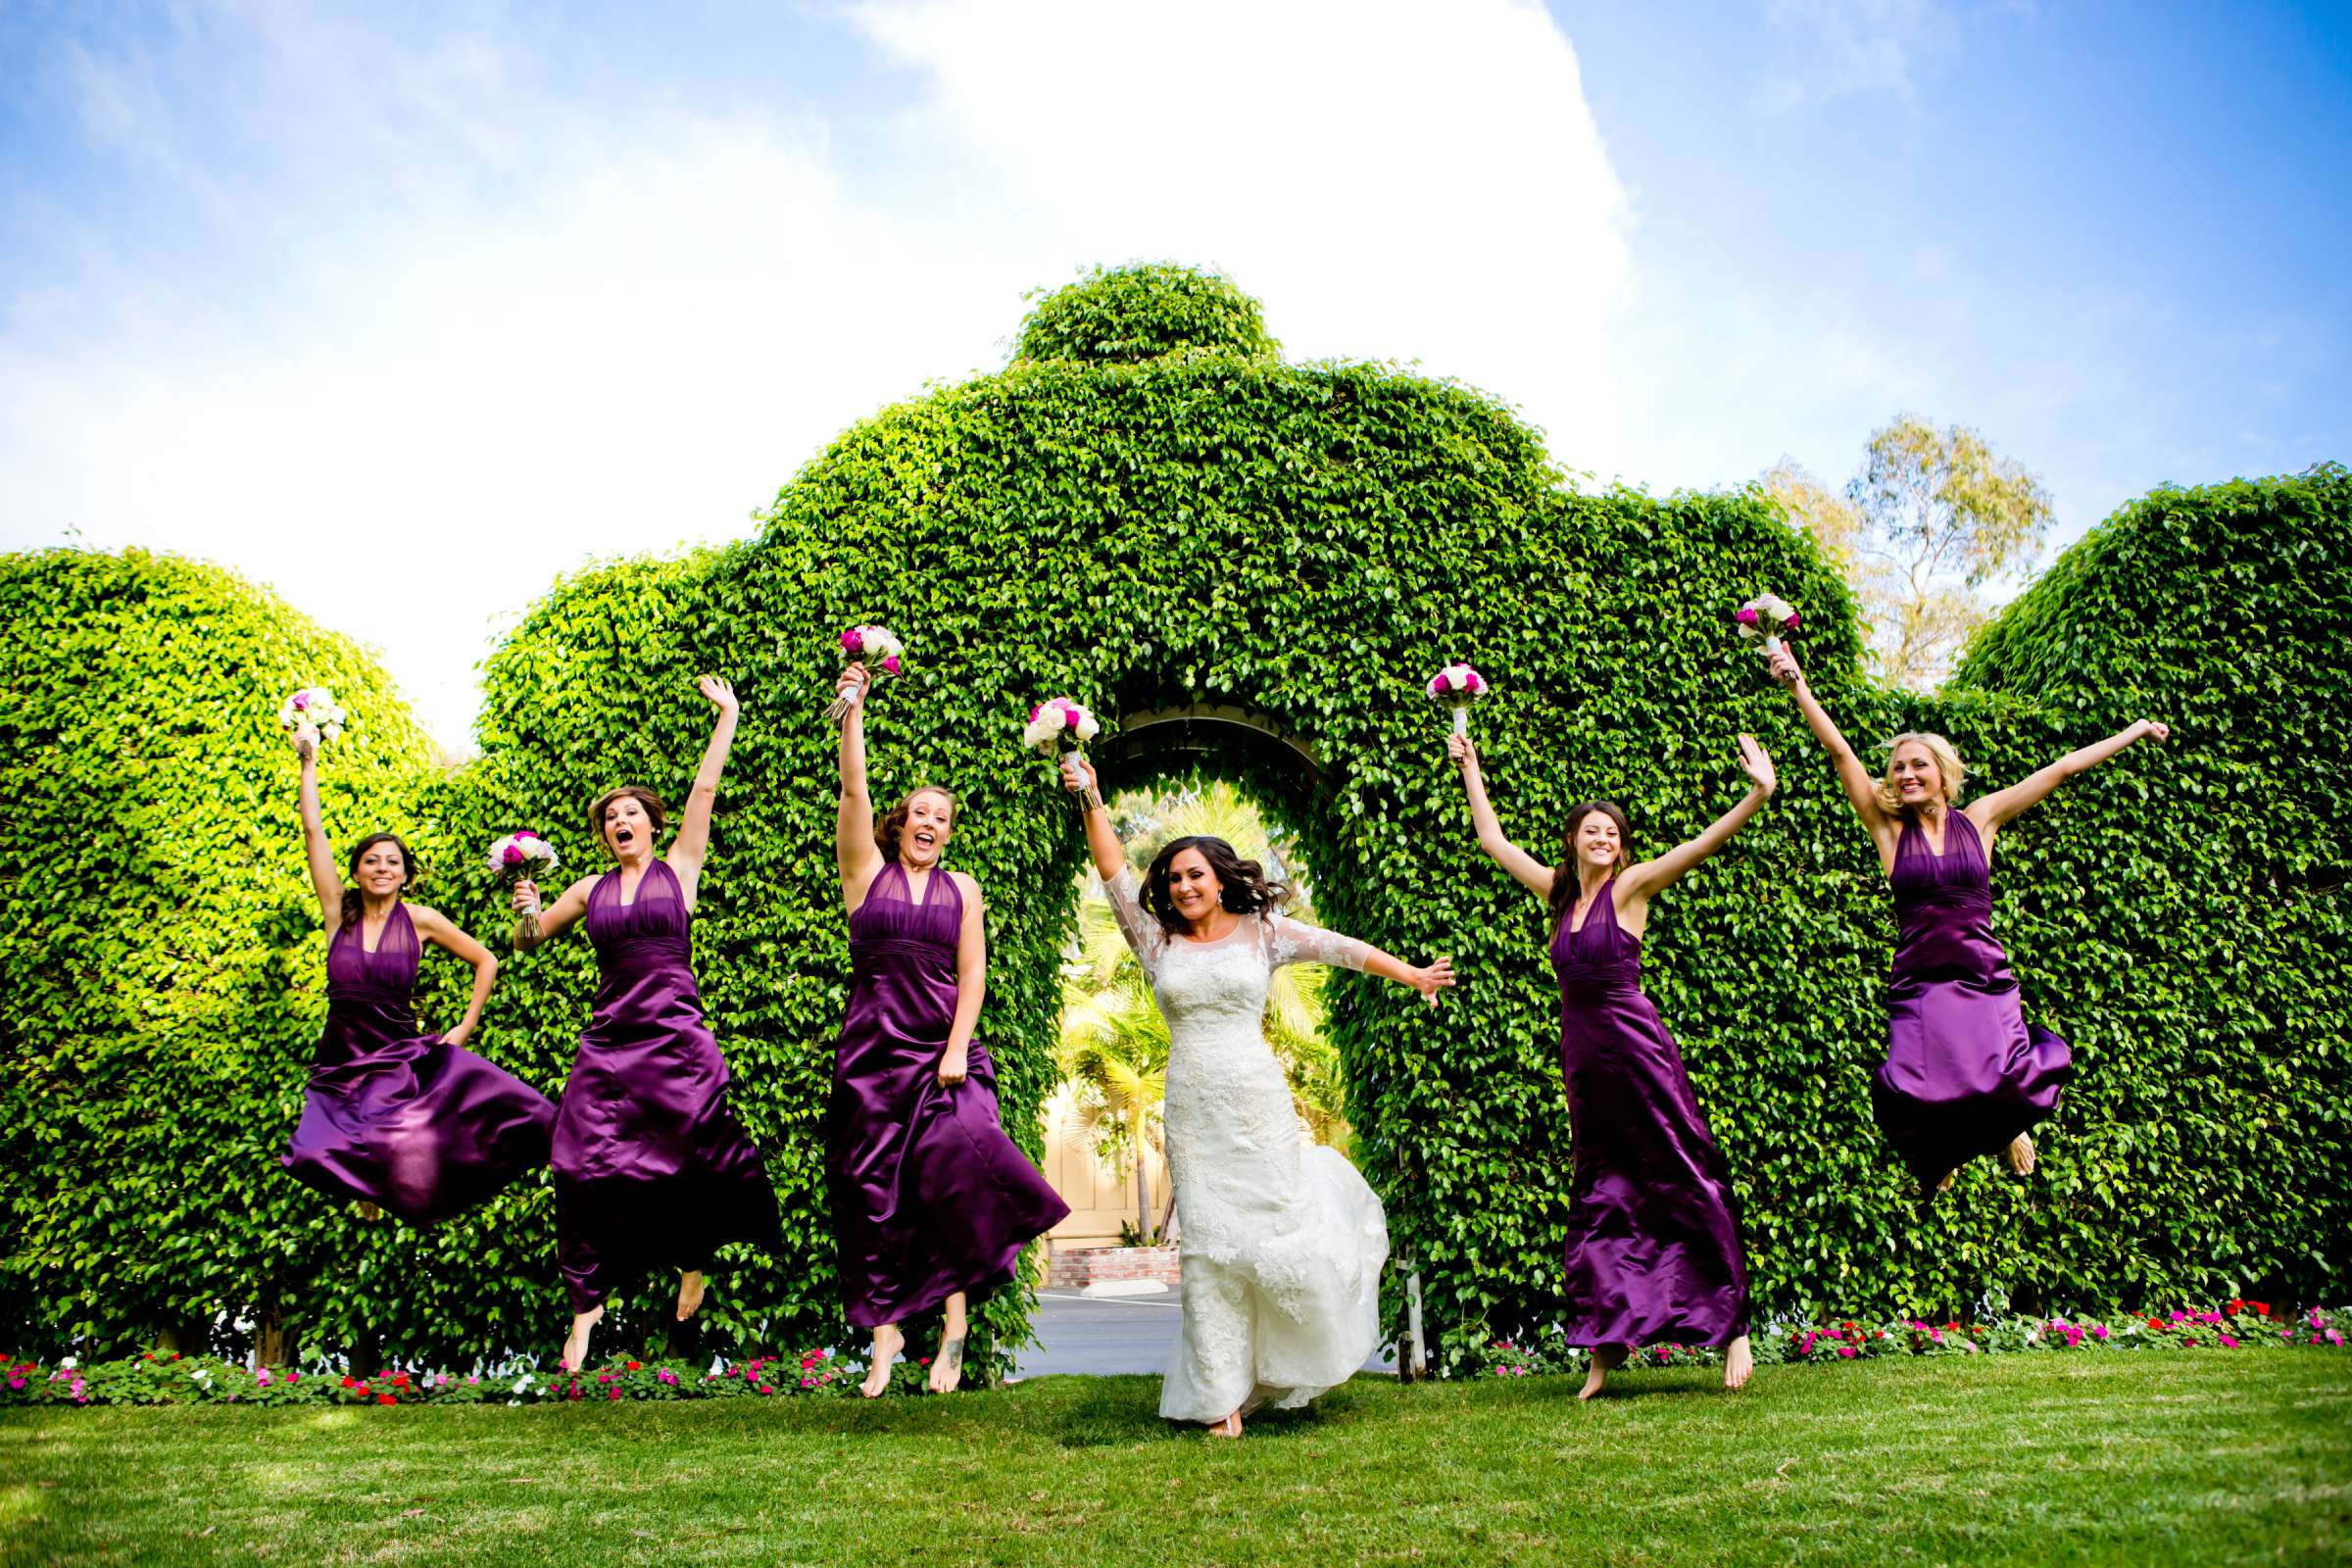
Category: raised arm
[1991,812]
[1110,855]
[434,927]
[971,977]
[1531,874]
[322,856]
[854,849]
[1293,942]
[686,851]
[1861,788]
[536,925]
[1640,884]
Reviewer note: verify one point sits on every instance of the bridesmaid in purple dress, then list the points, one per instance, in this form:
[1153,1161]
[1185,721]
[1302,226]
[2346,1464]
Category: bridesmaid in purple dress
[1654,1251]
[1964,1075]
[932,1203]
[652,1167]
[395,1118]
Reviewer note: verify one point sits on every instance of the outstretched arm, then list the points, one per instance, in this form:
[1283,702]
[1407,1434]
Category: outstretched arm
[971,978]
[1110,855]
[1861,788]
[854,849]
[1293,942]
[435,927]
[1991,812]
[693,842]
[324,880]
[1531,874]
[1645,881]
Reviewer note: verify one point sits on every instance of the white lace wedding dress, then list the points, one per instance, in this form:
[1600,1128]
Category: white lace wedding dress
[1281,1245]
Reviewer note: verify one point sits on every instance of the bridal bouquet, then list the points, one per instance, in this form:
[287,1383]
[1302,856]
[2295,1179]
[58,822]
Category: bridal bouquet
[313,706]
[1458,686]
[1058,724]
[1764,618]
[879,647]
[520,855]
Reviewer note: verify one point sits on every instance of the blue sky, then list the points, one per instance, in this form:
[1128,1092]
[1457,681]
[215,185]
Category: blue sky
[333,294]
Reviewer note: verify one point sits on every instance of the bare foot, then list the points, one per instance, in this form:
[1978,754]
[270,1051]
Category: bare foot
[575,1344]
[946,1367]
[1738,1361]
[887,1340]
[2021,1154]
[1230,1427]
[690,1293]
[1607,1358]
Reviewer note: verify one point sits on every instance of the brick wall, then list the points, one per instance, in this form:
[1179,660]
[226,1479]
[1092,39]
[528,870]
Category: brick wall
[1075,1268]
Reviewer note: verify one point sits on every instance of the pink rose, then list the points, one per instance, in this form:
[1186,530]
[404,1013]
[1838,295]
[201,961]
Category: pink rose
[890,666]
[1790,622]
[524,833]
[1069,719]
[302,701]
[514,856]
[853,641]
[1035,711]
[1745,616]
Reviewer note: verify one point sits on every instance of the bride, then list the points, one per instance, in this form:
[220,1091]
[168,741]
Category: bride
[1282,1247]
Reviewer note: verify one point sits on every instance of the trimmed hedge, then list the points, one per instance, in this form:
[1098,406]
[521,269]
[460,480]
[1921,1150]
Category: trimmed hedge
[1215,527]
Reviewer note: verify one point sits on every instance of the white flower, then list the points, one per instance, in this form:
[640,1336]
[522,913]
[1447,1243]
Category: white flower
[1055,719]
[522,1384]
[70,1363]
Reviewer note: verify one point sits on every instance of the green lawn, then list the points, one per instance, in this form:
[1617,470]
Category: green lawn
[2141,1458]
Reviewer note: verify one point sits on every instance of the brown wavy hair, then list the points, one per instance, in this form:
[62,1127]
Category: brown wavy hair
[1243,885]
[654,811]
[1566,878]
[891,824]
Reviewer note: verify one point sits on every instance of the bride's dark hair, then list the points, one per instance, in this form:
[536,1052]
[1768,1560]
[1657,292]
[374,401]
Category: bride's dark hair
[1242,885]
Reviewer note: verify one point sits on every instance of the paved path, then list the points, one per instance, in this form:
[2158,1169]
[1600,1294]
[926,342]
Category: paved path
[1107,1335]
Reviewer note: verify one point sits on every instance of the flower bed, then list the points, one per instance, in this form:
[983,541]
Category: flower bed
[2239,1325]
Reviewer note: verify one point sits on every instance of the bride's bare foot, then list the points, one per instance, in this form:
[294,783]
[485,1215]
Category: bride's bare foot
[575,1344]
[2021,1154]
[1230,1427]
[1738,1361]
[1607,1358]
[887,1340]
[690,1293]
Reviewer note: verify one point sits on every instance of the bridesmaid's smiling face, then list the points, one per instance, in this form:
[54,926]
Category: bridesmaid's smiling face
[628,831]
[1192,888]
[1916,778]
[1598,841]
[382,871]
[930,824]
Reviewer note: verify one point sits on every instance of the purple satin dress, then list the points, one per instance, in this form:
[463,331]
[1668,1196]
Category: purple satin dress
[1963,1073]
[652,1168]
[929,1194]
[1654,1251]
[421,1128]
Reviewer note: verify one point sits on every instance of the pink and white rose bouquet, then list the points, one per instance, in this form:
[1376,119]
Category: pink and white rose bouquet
[1458,686]
[522,854]
[1059,725]
[879,647]
[1766,619]
[313,707]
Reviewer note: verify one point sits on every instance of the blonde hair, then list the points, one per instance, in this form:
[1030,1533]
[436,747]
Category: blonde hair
[1947,762]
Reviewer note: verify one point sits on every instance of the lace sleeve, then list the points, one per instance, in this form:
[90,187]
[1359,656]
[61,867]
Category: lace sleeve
[1143,933]
[1289,941]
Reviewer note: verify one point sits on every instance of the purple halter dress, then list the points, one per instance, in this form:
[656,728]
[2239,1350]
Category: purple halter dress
[1654,1251]
[417,1126]
[652,1168]
[929,1194]
[1963,1073]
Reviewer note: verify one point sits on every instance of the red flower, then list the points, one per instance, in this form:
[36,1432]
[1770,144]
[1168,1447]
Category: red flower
[347,1382]
[2261,1308]
[636,1366]
[385,1398]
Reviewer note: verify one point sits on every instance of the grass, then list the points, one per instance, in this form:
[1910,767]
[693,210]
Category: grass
[2141,1458]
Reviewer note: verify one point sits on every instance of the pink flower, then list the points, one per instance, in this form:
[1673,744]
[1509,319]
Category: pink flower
[302,701]
[1746,614]
[890,666]
[853,641]
[2190,1344]
[1790,622]
[1848,1351]
[1069,719]
[524,833]
[514,854]
[2228,1343]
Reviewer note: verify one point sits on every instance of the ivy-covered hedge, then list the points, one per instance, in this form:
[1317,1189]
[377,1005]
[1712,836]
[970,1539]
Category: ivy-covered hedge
[1214,529]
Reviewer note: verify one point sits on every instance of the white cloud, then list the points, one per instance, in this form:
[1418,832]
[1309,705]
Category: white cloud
[438,324]
[1852,48]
